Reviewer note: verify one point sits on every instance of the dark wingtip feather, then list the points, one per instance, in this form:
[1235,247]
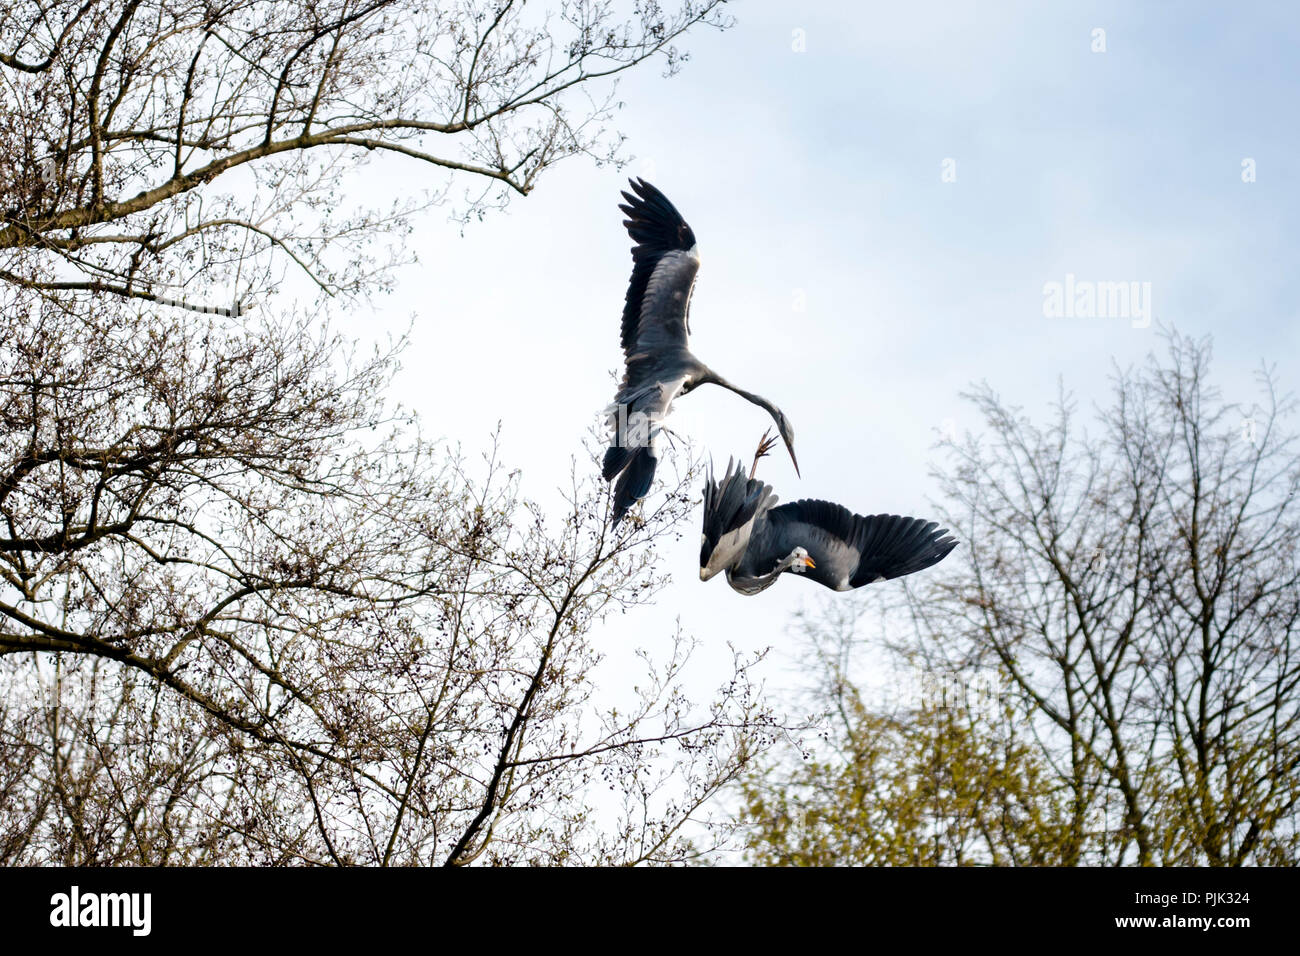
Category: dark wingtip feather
[903,546]
[654,222]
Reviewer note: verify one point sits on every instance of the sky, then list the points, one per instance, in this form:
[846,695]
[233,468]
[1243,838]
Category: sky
[881,193]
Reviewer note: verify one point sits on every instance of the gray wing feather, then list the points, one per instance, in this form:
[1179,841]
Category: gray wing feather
[664,266]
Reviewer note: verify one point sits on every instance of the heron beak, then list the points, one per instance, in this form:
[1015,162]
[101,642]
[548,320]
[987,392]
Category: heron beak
[793,459]
[809,562]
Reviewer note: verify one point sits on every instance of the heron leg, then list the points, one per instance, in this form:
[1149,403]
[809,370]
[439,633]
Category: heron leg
[671,435]
[765,445]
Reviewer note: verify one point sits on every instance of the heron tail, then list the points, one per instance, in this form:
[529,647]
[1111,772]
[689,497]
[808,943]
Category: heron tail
[634,481]
[616,459]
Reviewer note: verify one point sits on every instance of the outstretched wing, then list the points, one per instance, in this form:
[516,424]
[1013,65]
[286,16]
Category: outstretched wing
[852,550]
[665,262]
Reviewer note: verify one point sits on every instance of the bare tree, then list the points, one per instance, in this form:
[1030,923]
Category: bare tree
[247,614]
[1140,588]
[189,150]
[240,626]
[908,769]
[1106,671]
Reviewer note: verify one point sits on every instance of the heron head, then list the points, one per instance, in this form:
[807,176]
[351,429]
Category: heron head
[801,561]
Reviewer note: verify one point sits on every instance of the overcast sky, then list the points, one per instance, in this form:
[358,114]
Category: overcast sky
[807,148]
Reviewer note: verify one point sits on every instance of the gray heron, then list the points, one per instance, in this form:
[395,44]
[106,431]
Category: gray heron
[752,539]
[659,363]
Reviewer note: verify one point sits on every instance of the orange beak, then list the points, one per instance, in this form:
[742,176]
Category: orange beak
[809,562]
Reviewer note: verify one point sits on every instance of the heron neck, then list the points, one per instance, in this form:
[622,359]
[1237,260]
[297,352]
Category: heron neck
[753,583]
[759,400]
[790,561]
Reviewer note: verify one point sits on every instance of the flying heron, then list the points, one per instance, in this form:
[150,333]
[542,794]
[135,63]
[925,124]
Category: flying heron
[659,364]
[751,538]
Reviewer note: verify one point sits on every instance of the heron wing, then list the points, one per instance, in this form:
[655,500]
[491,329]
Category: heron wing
[665,262]
[729,507]
[851,550]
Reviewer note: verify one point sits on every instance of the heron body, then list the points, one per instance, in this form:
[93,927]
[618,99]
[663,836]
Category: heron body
[659,365]
[754,540]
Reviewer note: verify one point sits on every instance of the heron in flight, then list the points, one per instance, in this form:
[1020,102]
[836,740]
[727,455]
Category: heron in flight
[659,363]
[747,535]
